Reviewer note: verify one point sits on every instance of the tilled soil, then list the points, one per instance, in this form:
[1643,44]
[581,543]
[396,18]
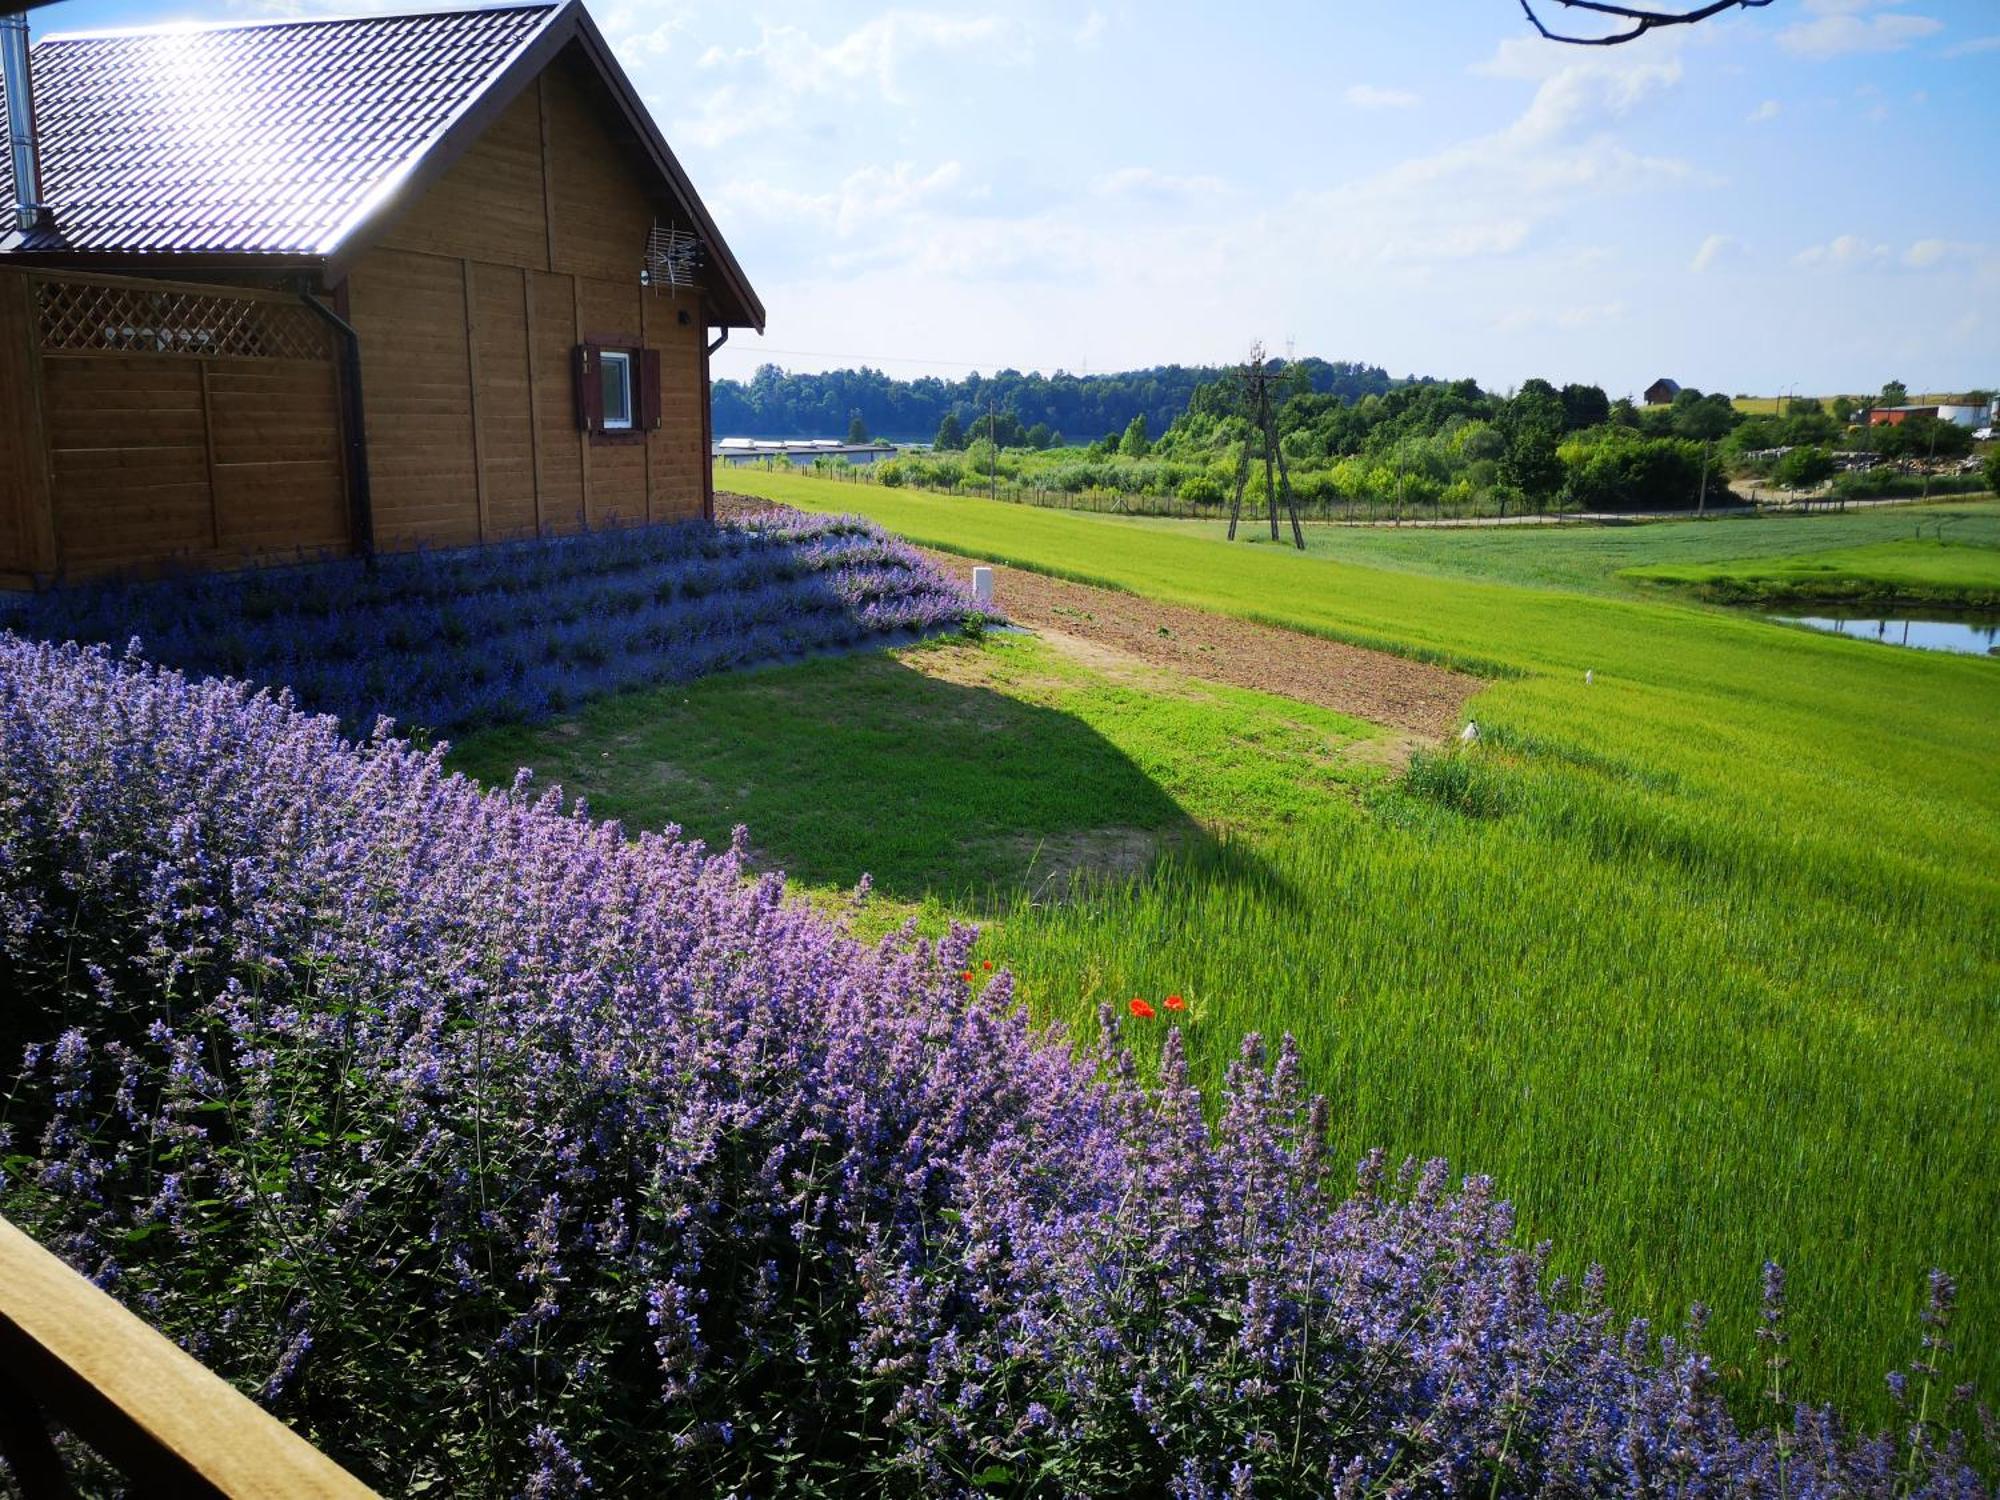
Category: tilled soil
[1413,696]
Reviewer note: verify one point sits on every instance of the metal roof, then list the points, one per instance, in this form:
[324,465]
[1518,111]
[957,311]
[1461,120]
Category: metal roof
[267,139]
[291,141]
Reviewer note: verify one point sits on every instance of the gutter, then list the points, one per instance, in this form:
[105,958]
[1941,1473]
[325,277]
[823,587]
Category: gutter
[354,424]
[720,339]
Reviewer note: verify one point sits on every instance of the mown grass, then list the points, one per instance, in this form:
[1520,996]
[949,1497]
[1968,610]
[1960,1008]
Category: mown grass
[1701,960]
[958,776]
[1909,571]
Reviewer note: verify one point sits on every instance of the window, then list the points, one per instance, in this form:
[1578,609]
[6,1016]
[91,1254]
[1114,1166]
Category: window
[617,389]
[614,373]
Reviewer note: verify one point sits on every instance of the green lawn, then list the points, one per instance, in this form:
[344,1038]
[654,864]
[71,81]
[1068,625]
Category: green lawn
[960,775]
[1594,559]
[1911,572]
[1700,960]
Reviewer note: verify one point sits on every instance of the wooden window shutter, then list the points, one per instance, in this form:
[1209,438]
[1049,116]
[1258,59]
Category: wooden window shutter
[589,388]
[649,388]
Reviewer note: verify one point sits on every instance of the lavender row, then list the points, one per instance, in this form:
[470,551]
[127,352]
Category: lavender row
[504,1154]
[446,641]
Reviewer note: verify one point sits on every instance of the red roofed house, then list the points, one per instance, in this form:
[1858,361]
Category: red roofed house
[331,285]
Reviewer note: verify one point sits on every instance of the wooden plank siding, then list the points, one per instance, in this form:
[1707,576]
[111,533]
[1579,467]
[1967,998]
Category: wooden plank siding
[201,462]
[410,311]
[470,307]
[27,522]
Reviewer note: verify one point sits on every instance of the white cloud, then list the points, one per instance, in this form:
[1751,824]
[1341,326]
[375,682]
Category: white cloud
[873,198]
[1144,182]
[1974,46]
[1770,109]
[1569,319]
[787,64]
[1714,249]
[1488,195]
[644,31]
[1846,251]
[1841,27]
[1926,254]
[1370,96]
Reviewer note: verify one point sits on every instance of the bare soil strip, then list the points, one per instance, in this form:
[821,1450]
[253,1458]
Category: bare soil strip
[1414,696]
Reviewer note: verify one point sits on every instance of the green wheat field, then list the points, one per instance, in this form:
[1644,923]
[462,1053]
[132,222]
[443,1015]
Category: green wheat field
[1700,960]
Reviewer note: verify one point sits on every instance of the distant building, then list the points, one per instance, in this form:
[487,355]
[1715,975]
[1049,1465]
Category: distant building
[1662,392]
[737,452]
[1964,413]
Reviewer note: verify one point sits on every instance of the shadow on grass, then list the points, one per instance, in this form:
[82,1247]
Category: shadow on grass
[865,764]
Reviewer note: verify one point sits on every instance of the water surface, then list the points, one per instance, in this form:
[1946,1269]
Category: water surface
[1974,636]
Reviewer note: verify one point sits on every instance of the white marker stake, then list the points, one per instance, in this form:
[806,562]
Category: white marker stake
[982,585]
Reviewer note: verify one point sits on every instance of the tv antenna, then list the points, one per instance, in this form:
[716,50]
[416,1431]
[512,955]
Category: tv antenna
[1254,382]
[673,259]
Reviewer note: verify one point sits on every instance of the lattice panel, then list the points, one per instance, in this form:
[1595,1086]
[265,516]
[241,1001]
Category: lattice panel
[80,317]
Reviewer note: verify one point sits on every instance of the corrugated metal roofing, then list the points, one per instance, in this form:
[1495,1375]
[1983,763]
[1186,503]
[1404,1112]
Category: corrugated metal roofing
[270,138]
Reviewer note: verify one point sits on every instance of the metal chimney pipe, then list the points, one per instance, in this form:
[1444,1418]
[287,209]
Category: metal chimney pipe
[29,210]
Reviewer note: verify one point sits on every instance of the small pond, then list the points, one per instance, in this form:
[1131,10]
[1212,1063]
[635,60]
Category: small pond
[1971,636]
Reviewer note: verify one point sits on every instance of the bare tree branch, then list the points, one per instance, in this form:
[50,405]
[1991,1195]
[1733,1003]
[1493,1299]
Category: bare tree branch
[1642,20]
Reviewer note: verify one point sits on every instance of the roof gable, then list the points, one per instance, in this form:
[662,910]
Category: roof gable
[296,141]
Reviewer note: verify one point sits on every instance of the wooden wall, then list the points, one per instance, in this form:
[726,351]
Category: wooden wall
[469,307]
[27,541]
[158,459]
[115,461]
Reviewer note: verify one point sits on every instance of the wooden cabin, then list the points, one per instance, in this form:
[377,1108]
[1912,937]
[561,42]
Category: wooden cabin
[300,287]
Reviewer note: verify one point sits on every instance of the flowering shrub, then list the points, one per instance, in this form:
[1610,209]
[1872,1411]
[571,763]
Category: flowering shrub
[512,632]
[500,1153]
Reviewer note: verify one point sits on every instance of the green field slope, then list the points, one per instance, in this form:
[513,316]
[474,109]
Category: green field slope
[1701,959]
[1593,559]
[1952,574]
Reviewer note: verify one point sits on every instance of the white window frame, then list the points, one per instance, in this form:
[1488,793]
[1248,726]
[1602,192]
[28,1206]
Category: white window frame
[621,360]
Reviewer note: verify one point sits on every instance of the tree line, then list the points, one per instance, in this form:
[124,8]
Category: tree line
[1444,448]
[1063,407]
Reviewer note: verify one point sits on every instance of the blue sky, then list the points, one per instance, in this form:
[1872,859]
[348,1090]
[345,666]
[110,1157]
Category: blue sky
[1802,196]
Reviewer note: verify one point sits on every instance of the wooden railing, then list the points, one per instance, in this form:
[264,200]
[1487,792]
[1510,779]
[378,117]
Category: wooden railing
[71,1357]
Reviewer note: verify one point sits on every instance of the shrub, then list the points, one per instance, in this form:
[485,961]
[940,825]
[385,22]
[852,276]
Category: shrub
[592,1159]
[1202,489]
[1883,483]
[509,633]
[1625,473]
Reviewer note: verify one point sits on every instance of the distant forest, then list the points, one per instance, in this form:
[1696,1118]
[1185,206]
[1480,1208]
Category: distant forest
[1067,408]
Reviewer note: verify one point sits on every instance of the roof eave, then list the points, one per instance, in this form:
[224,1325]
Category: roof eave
[238,261]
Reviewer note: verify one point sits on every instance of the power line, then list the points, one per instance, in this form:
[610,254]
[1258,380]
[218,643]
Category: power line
[744,351]
[889,359]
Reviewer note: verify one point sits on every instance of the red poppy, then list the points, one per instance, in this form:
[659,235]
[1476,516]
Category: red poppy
[988,964]
[1142,1010]
[967,976]
[1174,1002]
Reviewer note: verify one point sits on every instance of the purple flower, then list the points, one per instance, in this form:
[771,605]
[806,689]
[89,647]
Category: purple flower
[585,1155]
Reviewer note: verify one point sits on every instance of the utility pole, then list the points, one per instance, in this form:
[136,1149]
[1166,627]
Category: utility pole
[993,458]
[1927,464]
[1254,383]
